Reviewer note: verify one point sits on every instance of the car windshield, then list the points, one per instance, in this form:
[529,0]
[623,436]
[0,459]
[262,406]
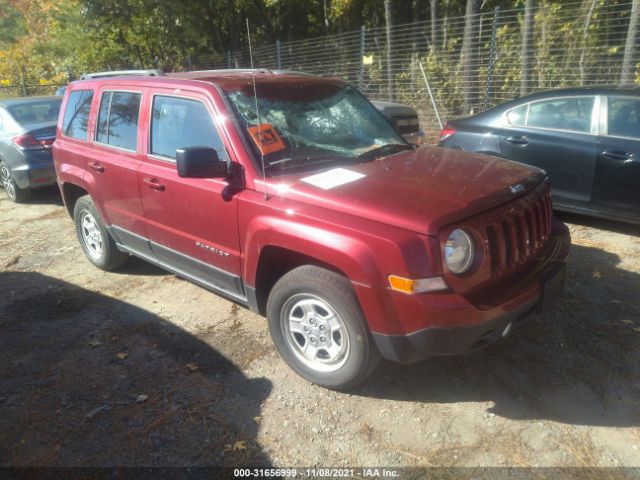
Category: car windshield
[36,112]
[310,122]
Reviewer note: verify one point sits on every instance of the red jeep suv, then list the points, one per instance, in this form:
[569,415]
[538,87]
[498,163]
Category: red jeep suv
[291,194]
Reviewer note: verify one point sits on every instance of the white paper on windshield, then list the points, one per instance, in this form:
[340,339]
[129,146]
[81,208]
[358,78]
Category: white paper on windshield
[332,178]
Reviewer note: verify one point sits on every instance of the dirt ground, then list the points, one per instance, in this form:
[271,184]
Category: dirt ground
[142,368]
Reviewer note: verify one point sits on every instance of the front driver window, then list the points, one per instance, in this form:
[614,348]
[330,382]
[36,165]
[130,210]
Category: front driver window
[180,123]
[624,117]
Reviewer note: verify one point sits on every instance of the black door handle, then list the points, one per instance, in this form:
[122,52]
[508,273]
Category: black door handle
[518,140]
[618,155]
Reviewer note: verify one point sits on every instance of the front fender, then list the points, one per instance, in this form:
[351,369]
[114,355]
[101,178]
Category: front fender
[350,255]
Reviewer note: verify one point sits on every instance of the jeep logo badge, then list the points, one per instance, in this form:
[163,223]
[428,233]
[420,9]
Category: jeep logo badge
[517,188]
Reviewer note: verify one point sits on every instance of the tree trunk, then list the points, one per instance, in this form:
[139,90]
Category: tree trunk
[388,21]
[585,34]
[468,65]
[434,25]
[526,53]
[629,61]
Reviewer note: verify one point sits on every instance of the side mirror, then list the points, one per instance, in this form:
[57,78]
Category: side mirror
[200,162]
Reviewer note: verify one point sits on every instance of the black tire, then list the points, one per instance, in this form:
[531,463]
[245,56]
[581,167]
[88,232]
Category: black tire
[11,189]
[96,243]
[307,287]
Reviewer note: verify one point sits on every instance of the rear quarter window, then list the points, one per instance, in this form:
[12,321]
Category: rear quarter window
[76,114]
[518,115]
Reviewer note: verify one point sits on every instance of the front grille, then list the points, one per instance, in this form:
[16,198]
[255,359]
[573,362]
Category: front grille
[517,238]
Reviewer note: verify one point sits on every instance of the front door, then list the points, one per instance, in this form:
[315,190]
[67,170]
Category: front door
[617,180]
[192,222]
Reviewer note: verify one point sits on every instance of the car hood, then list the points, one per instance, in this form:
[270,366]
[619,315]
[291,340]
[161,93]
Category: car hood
[419,190]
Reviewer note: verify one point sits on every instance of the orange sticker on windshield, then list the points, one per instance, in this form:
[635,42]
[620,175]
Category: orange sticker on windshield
[266,138]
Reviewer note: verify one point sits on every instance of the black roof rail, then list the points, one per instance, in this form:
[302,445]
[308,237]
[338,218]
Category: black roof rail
[123,73]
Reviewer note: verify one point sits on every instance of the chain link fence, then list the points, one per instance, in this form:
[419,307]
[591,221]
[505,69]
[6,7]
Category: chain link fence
[571,43]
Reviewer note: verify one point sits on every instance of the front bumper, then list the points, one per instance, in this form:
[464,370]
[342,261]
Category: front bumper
[441,341]
[426,325]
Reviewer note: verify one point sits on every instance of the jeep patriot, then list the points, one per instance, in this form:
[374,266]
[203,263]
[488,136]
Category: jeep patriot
[292,195]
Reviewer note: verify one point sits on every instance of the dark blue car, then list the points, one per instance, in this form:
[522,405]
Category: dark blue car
[27,131]
[587,139]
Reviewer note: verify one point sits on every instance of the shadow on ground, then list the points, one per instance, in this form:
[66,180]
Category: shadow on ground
[91,381]
[45,196]
[578,364]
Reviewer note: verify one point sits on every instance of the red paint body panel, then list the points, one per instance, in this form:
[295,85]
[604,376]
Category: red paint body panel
[393,220]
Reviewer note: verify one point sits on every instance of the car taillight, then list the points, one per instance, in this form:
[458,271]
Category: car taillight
[28,141]
[446,132]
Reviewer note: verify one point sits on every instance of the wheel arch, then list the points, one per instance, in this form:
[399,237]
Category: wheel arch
[273,263]
[70,195]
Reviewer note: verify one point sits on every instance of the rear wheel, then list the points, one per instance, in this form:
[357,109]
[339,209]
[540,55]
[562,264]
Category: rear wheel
[14,193]
[94,238]
[318,328]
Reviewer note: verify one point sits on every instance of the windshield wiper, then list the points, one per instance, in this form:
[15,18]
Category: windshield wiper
[384,148]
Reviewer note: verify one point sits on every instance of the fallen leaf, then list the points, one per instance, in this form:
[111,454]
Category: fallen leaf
[596,274]
[239,445]
[192,367]
[94,343]
[627,321]
[637,329]
[96,411]
[122,355]
[115,338]
[142,398]
[257,419]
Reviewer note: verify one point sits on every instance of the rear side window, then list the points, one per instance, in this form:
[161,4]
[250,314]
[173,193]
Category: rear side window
[182,122]
[76,114]
[118,119]
[562,114]
[624,117]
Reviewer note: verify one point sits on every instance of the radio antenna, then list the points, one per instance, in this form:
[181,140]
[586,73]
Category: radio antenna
[255,98]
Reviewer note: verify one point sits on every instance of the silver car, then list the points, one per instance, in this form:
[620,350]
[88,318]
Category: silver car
[27,131]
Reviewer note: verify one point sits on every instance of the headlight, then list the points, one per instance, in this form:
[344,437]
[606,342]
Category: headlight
[459,251]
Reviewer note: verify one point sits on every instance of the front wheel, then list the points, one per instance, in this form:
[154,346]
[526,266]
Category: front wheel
[318,328]
[94,238]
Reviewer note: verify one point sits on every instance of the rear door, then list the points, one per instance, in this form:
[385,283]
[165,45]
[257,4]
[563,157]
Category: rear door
[113,163]
[192,222]
[556,135]
[617,180]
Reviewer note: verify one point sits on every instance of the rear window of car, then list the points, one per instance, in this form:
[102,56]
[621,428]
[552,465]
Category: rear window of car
[180,123]
[35,112]
[76,114]
[118,119]
[624,117]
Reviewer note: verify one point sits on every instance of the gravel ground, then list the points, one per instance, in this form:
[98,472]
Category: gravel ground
[139,367]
